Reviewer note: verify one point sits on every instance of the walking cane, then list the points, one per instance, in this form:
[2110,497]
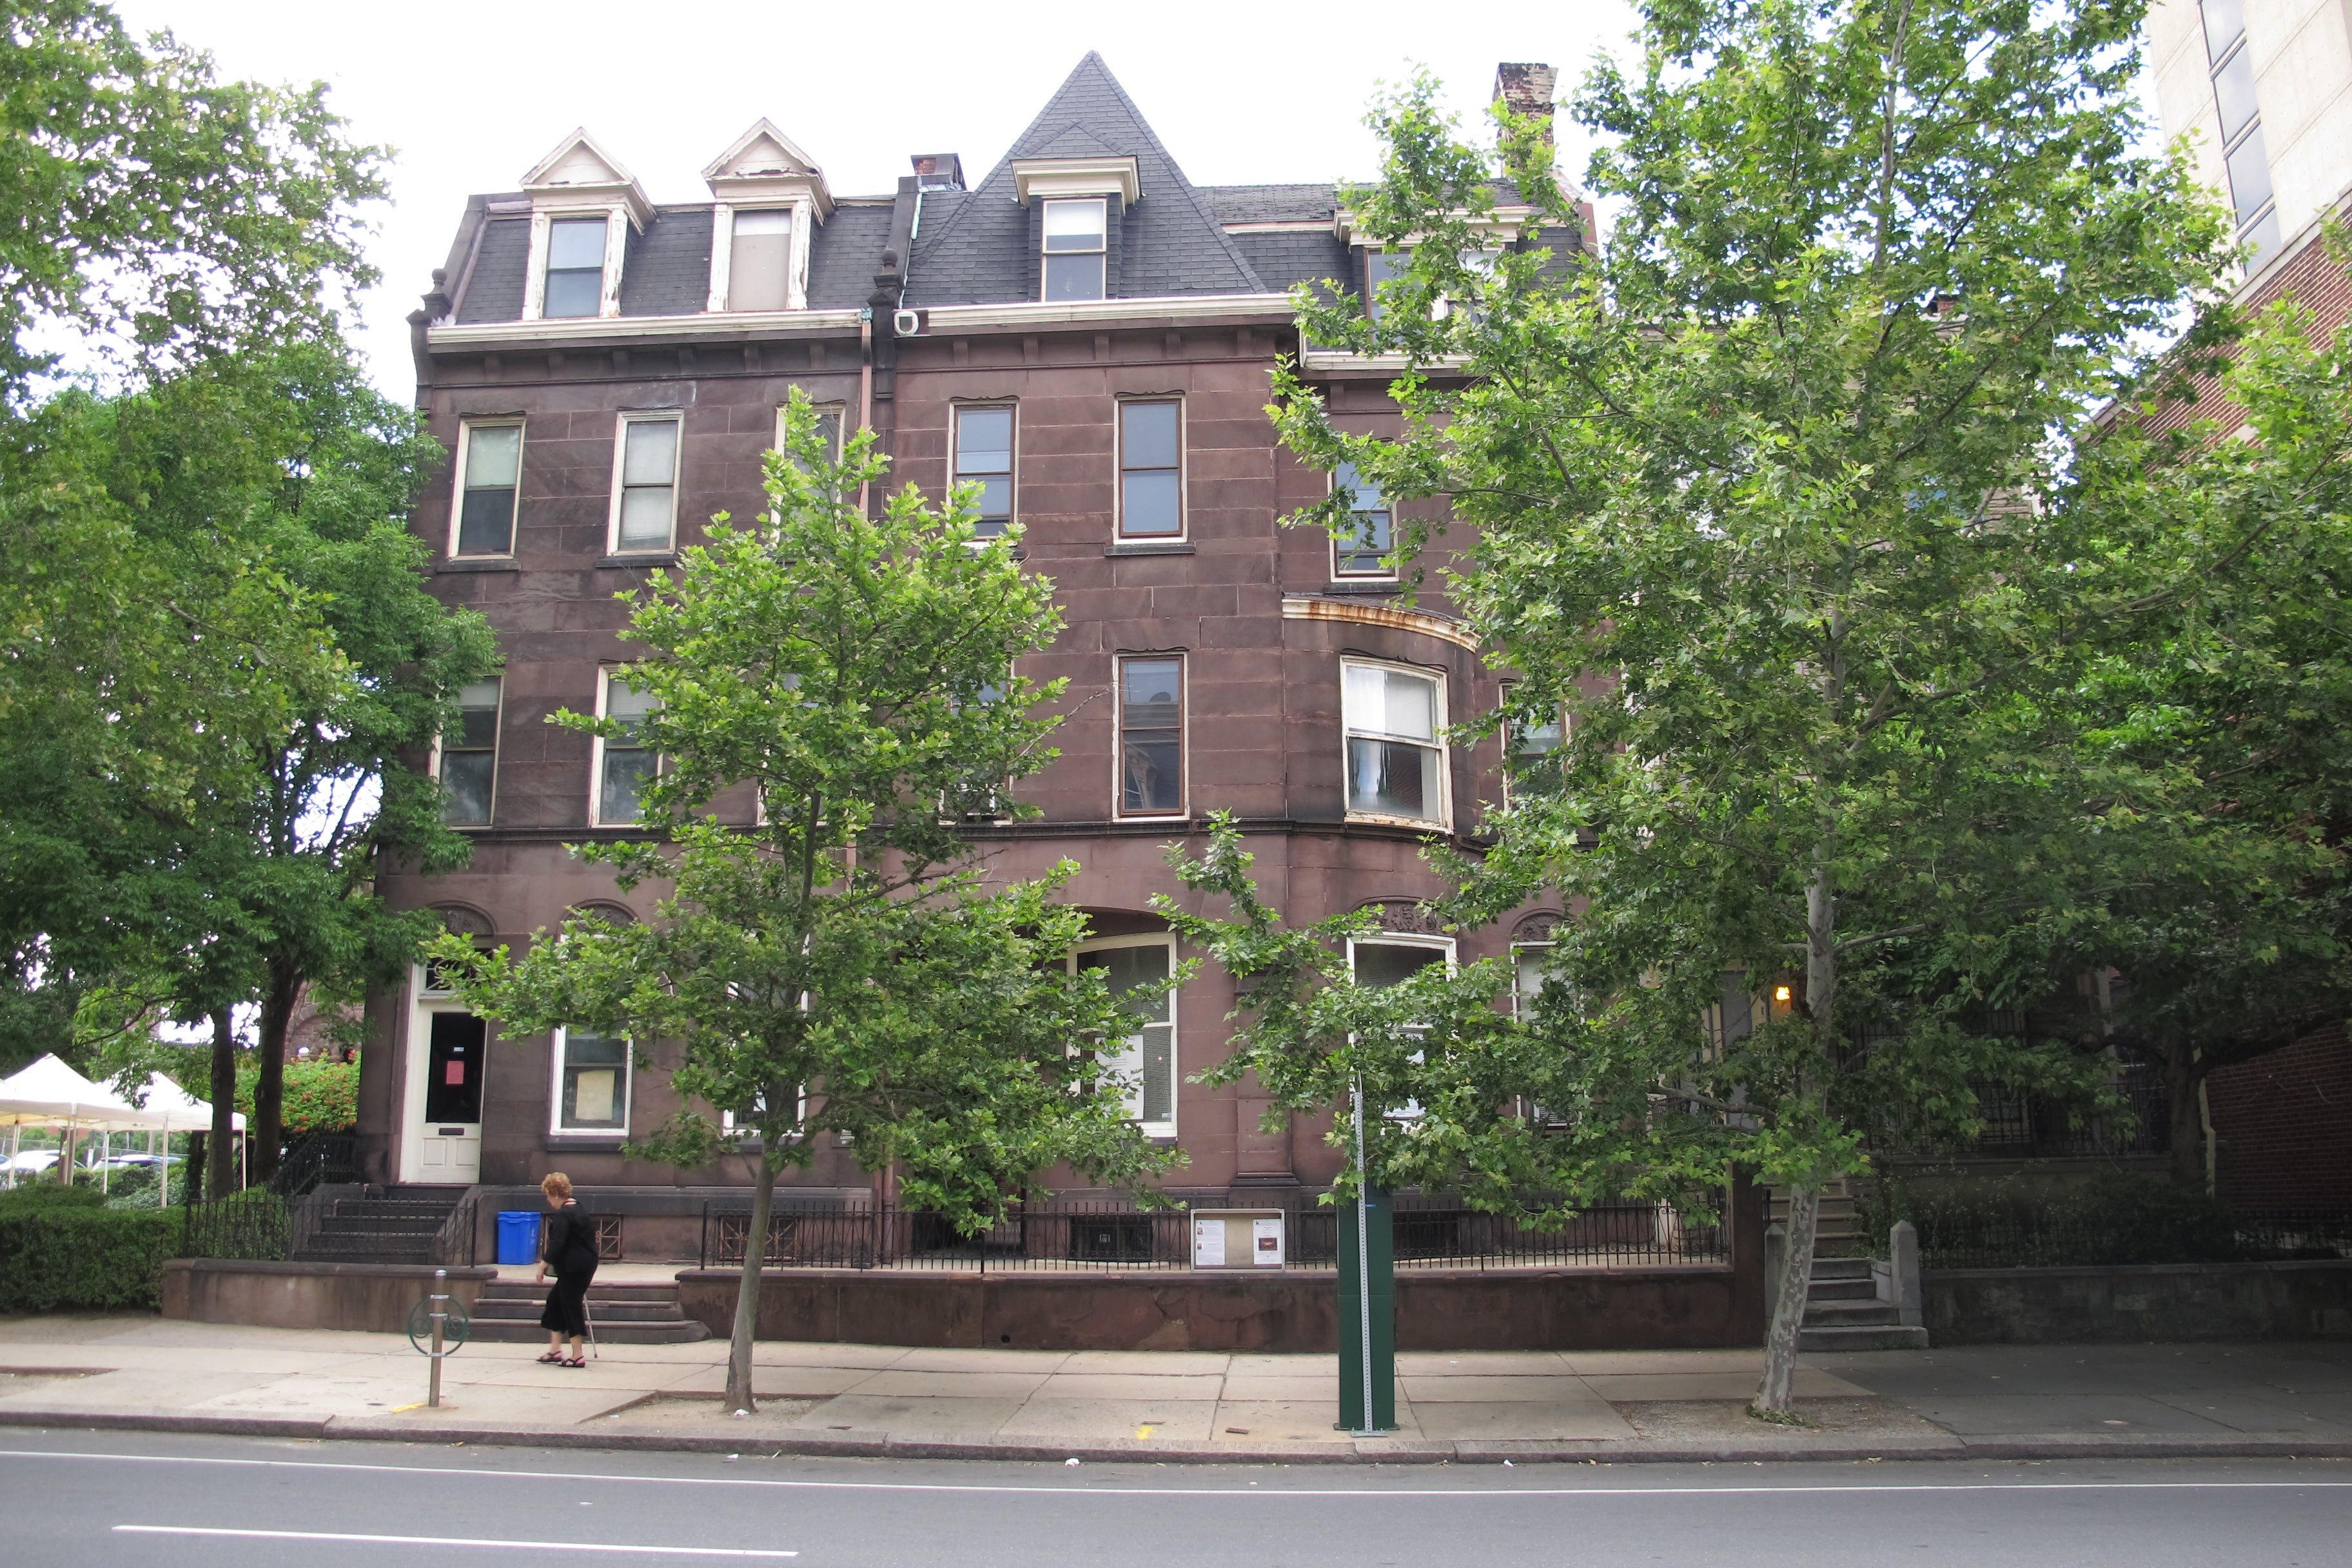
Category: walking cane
[589,1318]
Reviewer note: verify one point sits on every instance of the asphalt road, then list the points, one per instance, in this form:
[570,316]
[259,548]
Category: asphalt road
[85,1498]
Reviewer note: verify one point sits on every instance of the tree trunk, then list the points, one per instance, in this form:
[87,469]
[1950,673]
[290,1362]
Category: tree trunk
[2186,1129]
[747,1296]
[1774,1397]
[220,1180]
[269,1127]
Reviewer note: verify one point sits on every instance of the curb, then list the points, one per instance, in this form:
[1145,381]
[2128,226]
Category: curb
[1371,1451]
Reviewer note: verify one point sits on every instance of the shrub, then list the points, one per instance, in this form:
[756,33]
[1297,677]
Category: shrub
[72,1256]
[45,1197]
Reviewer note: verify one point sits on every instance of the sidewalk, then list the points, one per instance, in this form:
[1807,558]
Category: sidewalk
[140,1371]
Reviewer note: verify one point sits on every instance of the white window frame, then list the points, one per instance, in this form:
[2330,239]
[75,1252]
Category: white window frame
[722,254]
[1012,406]
[498,718]
[1410,1110]
[555,1124]
[1520,998]
[466,428]
[613,545]
[1183,738]
[1508,753]
[1133,1044]
[1444,821]
[1183,472]
[1387,573]
[840,411]
[616,245]
[606,678]
[1101,253]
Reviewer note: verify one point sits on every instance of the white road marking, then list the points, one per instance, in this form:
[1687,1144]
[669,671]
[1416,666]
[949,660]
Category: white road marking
[449,1541]
[1082,1490]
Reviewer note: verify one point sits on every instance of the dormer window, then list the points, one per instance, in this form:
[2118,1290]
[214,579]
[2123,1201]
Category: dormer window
[759,271]
[1074,235]
[575,267]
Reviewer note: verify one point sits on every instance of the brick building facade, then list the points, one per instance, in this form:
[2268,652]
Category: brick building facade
[1090,336]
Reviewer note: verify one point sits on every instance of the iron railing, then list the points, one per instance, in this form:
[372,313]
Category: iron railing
[2017,1237]
[254,1223]
[321,1159]
[455,1244]
[1112,1237]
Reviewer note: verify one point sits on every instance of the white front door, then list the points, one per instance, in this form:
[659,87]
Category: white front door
[447,1051]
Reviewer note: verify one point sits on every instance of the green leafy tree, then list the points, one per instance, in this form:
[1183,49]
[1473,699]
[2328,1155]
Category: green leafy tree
[166,216]
[161,222]
[266,500]
[837,966]
[1750,493]
[2232,927]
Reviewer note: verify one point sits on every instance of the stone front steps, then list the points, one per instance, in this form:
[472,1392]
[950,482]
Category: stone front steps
[1843,1312]
[632,1314]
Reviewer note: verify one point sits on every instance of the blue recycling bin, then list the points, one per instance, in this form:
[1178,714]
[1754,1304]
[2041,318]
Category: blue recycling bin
[518,1236]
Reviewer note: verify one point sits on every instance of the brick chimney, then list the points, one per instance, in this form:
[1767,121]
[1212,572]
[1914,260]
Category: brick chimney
[1525,88]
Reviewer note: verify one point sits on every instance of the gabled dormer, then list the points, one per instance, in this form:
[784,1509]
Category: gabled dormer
[767,197]
[583,206]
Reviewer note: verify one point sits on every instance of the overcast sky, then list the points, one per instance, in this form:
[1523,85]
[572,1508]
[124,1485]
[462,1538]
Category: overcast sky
[470,95]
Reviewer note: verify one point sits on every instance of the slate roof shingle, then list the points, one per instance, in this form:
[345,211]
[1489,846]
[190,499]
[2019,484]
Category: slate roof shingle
[1169,242]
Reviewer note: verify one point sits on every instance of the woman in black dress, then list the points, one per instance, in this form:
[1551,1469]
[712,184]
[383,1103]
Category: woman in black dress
[571,1251]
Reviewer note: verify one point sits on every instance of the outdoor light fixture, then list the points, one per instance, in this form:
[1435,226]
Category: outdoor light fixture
[1779,994]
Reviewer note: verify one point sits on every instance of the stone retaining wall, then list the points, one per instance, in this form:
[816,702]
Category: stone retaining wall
[1291,1313]
[375,1298]
[2140,1303]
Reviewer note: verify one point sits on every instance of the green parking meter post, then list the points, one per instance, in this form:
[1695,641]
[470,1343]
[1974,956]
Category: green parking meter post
[1367,1304]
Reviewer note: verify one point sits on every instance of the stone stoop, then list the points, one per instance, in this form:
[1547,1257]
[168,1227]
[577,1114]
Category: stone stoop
[398,1227]
[1843,1311]
[507,1313]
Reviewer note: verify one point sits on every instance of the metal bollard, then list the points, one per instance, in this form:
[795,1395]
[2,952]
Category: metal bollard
[440,1316]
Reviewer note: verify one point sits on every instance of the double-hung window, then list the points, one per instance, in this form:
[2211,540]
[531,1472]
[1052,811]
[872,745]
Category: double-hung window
[575,284]
[1391,959]
[1531,752]
[758,260]
[489,473]
[1362,549]
[983,457]
[1146,1059]
[1151,736]
[624,765]
[591,1083]
[470,756]
[1380,267]
[645,489]
[1075,248]
[1151,469]
[1396,759]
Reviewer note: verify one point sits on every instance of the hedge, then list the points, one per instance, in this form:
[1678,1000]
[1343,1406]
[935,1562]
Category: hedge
[67,1256]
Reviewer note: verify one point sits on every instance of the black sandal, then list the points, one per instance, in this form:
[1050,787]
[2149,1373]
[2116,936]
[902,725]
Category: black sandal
[554,1358]
[577,1360]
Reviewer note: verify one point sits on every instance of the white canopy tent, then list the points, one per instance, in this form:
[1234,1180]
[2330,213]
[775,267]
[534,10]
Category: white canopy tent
[51,1094]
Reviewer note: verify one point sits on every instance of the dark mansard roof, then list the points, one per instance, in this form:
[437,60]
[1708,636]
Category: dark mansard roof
[973,249]
[976,247]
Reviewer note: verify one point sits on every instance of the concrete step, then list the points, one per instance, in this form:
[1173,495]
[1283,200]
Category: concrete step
[499,1331]
[638,1314]
[1825,1268]
[1828,1313]
[1841,1290]
[509,1311]
[1872,1337]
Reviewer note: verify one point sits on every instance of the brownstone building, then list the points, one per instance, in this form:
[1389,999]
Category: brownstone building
[1086,334]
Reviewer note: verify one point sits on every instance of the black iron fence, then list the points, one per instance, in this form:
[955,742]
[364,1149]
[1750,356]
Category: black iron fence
[1085,1236]
[320,1159]
[255,1224]
[1983,1237]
